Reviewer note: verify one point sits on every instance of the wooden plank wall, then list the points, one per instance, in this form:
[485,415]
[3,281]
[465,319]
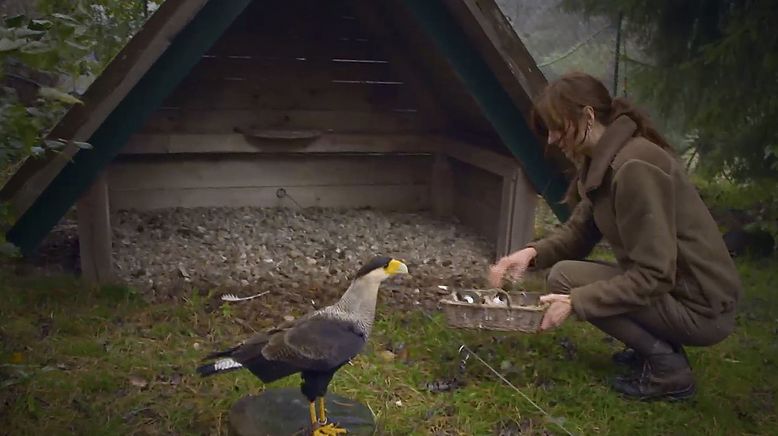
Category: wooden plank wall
[478,198]
[296,65]
[388,182]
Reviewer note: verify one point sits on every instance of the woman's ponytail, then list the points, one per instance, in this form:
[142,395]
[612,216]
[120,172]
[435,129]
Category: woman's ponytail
[621,106]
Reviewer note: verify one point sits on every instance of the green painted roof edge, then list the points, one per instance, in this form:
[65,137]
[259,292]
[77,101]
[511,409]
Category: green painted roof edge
[186,49]
[507,120]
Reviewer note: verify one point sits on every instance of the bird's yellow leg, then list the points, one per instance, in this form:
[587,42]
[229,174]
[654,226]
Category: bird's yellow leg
[322,412]
[321,428]
[312,409]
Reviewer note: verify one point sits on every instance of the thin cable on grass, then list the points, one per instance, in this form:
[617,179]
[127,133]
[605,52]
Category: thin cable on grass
[372,412]
[503,379]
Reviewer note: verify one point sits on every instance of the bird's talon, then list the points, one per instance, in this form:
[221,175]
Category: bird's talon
[329,430]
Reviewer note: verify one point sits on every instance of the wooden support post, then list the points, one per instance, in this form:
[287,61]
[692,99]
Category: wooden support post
[525,201]
[94,233]
[442,187]
[505,221]
[517,213]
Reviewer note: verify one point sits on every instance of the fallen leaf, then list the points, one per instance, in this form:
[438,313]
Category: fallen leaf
[17,358]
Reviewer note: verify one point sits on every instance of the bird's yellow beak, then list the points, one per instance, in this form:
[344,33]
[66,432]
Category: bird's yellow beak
[396,267]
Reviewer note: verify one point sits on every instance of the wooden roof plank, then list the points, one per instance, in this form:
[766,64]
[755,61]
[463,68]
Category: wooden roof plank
[186,49]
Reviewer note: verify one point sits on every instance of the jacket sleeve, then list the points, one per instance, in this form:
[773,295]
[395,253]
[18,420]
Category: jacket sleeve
[573,240]
[644,203]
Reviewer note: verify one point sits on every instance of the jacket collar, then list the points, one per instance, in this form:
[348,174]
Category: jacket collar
[612,140]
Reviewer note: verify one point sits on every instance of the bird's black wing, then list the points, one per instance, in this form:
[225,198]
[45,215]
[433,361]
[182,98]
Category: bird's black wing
[317,343]
[248,354]
[251,347]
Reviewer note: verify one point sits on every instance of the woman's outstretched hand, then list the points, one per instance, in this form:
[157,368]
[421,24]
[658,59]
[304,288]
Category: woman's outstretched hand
[557,312]
[514,264]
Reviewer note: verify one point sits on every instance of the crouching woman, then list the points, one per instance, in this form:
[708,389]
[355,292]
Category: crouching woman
[674,283]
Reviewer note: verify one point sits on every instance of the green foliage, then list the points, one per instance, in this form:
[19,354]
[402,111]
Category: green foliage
[712,72]
[751,204]
[46,61]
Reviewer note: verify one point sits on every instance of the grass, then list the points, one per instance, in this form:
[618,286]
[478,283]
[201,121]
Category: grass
[77,360]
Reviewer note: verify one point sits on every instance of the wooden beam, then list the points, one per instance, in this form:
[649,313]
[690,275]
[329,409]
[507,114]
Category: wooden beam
[238,143]
[480,157]
[227,121]
[290,70]
[506,215]
[383,197]
[220,171]
[94,233]
[525,201]
[517,213]
[291,93]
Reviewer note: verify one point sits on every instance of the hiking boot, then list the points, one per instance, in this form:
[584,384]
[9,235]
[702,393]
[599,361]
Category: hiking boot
[628,357]
[679,349]
[631,359]
[664,376]
[634,373]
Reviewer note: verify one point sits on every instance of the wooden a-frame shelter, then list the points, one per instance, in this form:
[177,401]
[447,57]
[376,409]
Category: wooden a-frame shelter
[397,104]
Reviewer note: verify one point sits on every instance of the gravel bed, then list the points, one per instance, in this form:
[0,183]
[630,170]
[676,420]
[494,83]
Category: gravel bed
[300,253]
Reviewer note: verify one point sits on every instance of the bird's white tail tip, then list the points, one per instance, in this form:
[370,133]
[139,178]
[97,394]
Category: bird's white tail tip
[225,364]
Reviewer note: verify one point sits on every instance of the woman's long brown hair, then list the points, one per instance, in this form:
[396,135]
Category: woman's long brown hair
[561,104]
